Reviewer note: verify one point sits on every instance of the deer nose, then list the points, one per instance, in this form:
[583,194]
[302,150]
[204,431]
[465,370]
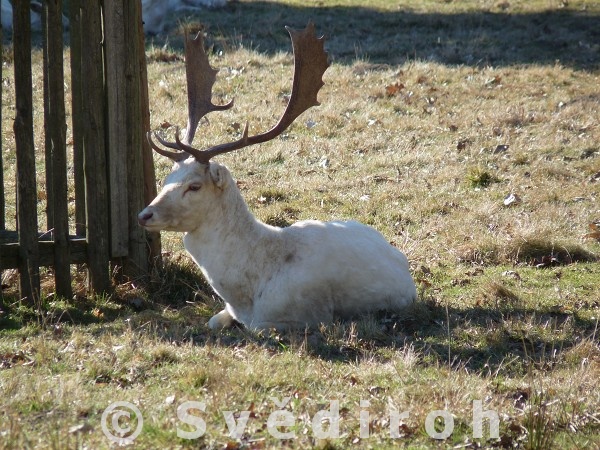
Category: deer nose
[144,217]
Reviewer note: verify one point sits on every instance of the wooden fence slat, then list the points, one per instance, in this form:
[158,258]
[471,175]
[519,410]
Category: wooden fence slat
[23,127]
[11,253]
[137,260]
[116,93]
[56,129]
[76,62]
[152,238]
[47,133]
[2,199]
[95,168]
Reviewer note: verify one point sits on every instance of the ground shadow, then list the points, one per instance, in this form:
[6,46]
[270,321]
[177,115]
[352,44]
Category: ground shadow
[495,339]
[496,345]
[497,38]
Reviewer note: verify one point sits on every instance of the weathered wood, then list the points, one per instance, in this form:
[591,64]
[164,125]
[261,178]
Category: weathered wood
[12,237]
[153,238]
[11,258]
[115,185]
[2,199]
[47,133]
[23,127]
[92,82]
[128,109]
[137,260]
[56,129]
[117,74]
[77,114]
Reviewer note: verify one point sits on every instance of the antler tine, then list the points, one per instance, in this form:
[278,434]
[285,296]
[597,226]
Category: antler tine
[200,78]
[310,63]
[175,156]
[166,143]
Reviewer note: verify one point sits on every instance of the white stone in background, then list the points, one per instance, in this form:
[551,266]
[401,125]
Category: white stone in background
[157,13]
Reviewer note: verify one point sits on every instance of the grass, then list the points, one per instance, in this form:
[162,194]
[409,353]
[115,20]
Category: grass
[432,113]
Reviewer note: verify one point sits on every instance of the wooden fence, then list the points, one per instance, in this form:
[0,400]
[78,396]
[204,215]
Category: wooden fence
[110,169]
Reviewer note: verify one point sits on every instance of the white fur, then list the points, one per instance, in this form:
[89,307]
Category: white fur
[303,275]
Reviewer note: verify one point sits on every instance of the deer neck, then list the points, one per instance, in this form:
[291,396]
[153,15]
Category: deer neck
[230,233]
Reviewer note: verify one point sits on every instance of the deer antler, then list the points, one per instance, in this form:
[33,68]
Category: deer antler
[310,62]
[200,77]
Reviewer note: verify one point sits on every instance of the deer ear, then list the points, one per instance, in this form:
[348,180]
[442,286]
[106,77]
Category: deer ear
[217,175]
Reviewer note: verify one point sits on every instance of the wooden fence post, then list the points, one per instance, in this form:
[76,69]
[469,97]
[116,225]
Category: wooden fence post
[116,73]
[56,129]
[23,128]
[137,261]
[77,115]
[96,189]
[2,199]
[128,109]
[152,238]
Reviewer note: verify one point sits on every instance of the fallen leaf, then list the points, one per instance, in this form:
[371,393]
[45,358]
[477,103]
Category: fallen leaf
[425,283]
[512,199]
[550,261]
[462,144]
[375,390]
[8,360]
[80,428]
[512,274]
[393,89]
[495,80]
[595,231]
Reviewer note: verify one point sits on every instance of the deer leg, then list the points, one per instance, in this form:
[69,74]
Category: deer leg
[220,320]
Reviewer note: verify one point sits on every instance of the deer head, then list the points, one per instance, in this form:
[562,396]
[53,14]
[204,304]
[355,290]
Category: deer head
[185,195]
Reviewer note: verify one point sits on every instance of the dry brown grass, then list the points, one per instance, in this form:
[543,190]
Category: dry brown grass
[432,114]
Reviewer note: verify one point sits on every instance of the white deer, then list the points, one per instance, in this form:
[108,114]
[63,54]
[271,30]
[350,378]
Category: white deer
[302,275]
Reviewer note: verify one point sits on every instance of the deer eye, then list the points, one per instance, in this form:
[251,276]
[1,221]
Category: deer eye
[194,187]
